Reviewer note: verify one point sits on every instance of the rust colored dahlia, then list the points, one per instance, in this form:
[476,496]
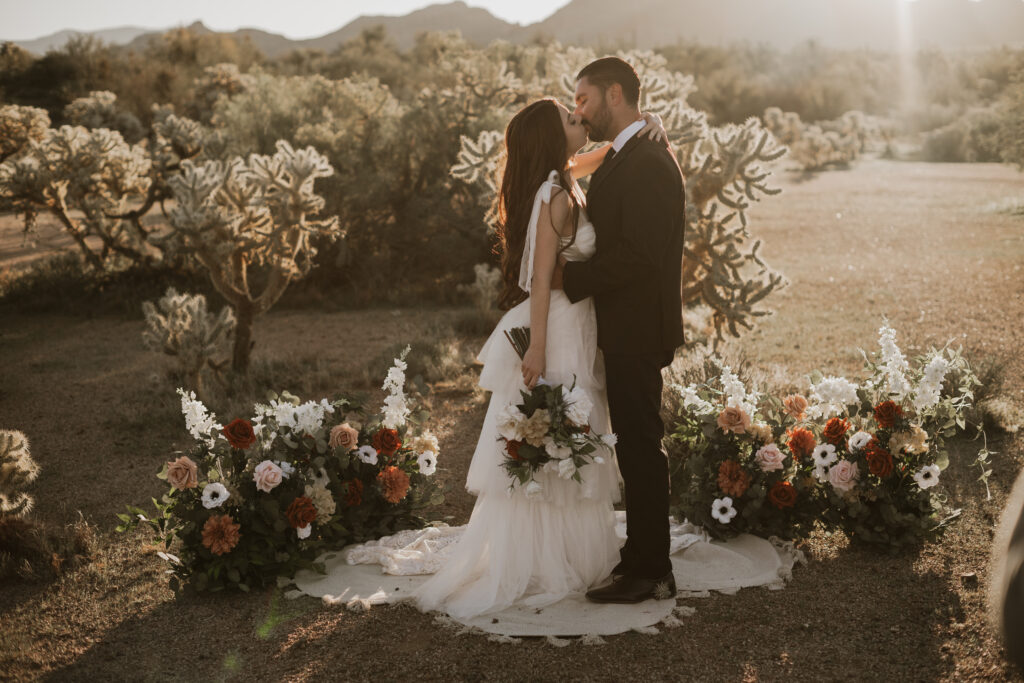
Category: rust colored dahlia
[221,534]
[732,478]
[801,442]
[835,430]
[394,483]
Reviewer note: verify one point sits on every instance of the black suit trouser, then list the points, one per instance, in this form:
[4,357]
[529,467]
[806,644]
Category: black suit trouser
[634,386]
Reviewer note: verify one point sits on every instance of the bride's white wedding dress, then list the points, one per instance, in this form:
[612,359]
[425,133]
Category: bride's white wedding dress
[515,550]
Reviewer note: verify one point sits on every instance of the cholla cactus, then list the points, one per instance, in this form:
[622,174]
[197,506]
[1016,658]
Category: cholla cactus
[99,110]
[722,167]
[19,125]
[485,289]
[17,469]
[220,80]
[826,143]
[252,212]
[180,325]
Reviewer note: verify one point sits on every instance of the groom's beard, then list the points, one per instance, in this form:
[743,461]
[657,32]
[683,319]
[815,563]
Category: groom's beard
[597,128]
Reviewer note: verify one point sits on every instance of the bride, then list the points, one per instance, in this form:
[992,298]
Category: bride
[519,550]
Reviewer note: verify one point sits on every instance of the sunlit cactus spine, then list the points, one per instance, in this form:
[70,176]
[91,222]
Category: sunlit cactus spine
[17,470]
[180,325]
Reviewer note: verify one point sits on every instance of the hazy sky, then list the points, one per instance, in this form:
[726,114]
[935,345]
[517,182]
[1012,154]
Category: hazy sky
[28,19]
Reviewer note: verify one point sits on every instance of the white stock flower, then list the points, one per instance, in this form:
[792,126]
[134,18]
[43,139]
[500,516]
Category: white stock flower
[554,450]
[929,390]
[692,401]
[304,531]
[824,455]
[610,439]
[395,408]
[927,476]
[534,490]
[509,422]
[198,420]
[820,473]
[214,495]
[427,461]
[893,363]
[368,454]
[566,468]
[830,396]
[859,440]
[722,510]
[736,394]
[578,406]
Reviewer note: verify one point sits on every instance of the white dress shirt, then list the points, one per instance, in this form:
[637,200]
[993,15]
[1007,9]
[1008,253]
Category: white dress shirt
[627,132]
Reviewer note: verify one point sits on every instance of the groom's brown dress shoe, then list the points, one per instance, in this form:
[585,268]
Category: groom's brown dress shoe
[631,589]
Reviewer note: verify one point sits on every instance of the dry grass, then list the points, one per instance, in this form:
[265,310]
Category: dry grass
[912,242]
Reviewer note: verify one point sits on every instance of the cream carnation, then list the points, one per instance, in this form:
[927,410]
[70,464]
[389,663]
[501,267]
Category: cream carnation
[536,427]
[323,501]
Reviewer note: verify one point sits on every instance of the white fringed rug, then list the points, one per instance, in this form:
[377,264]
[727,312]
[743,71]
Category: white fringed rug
[699,565]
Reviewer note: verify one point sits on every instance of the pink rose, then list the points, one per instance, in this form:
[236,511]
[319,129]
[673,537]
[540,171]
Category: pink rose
[267,475]
[182,473]
[843,475]
[769,458]
[344,436]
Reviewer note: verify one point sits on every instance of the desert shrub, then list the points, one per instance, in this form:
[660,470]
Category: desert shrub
[31,550]
[974,137]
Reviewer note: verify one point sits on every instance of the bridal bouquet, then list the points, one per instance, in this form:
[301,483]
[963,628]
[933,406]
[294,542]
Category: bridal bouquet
[263,496]
[548,431]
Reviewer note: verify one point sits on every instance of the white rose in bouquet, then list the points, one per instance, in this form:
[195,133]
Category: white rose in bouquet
[509,422]
[578,406]
[566,468]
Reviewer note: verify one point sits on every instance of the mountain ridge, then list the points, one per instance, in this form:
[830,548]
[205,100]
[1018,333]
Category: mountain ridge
[845,24]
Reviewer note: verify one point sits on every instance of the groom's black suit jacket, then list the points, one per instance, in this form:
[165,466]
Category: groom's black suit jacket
[635,202]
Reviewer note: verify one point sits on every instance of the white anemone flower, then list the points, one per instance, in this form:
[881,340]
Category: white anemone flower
[824,455]
[368,454]
[927,476]
[214,495]
[722,510]
[859,440]
[427,461]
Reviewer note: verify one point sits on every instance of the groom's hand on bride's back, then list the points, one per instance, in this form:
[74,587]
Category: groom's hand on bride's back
[556,277]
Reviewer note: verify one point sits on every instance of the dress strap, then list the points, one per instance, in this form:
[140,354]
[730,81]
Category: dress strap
[529,247]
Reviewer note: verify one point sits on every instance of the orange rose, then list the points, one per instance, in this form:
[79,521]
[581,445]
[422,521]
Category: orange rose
[220,534]
[734,420]
[182,473]
[354,493]
[879,459]
[301,512]
[512,448]
[344,436]
[795,405]
[835,430]
[782,495]
[386,442]
[239,434]
[801,442]
[886,414]
[732,479]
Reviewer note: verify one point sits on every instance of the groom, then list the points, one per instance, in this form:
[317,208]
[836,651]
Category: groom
[635,202]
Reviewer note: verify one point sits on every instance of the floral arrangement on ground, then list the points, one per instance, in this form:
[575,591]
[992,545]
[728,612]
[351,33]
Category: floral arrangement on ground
[862,457]
[262,497]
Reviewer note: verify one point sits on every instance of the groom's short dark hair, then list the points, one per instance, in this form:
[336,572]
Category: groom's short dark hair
[608,70]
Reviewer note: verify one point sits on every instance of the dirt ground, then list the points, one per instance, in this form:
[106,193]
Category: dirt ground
[918,244]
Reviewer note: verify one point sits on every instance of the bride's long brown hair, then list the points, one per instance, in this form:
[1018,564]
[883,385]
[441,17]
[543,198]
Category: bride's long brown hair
[535,144]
